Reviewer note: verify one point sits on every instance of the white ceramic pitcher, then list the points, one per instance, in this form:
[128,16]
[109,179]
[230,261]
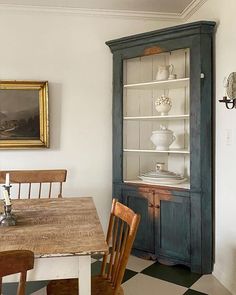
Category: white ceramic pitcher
[163,72]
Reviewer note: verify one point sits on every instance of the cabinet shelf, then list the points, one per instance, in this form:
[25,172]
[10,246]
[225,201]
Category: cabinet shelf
[166,84]
[185,185]
[177,151]
[167,117]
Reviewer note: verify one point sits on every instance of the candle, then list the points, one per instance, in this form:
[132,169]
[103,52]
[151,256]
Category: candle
[7,183]
[6,197]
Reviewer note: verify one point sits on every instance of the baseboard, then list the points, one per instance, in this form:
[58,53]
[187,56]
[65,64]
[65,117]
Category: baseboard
[224,280]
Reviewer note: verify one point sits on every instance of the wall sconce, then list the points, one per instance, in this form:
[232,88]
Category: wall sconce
[229,103]
[230,91]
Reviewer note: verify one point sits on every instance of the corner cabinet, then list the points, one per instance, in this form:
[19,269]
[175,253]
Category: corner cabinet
[176,218]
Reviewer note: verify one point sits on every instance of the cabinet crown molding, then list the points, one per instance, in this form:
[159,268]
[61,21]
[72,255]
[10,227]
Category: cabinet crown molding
[184,30]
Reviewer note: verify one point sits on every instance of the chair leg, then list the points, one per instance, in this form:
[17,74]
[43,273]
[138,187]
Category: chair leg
[21,285]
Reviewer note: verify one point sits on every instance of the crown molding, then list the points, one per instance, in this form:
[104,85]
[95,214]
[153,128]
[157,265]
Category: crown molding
[147,15]
[191,9]
[95,12]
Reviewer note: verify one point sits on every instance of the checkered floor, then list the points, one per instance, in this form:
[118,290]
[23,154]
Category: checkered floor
[152,278]
[144,277]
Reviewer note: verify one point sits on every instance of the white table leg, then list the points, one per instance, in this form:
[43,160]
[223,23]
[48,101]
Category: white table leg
[85,275]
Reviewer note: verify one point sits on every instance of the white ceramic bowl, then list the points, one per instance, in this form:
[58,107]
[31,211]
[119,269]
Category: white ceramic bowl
[163,105]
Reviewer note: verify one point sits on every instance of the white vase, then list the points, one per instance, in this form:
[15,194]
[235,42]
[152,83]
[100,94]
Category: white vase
[163,105]
[162,138]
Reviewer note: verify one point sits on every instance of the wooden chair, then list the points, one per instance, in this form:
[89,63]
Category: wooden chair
[121,233]
[16,261]
[38,177]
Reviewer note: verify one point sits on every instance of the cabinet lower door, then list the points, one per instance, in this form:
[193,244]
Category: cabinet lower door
[173,229]
[145,240]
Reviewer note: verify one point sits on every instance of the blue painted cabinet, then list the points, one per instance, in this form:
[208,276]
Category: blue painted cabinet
[145,239]
[173,229]
[176,220]
[164,231]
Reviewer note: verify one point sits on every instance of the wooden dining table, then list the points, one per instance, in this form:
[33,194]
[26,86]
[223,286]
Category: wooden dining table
[63,233]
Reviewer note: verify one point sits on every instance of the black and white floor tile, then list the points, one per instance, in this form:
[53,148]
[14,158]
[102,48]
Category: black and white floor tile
[145,277]
[154,277]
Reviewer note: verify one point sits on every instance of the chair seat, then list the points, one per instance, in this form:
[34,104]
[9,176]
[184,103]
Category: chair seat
[100,286]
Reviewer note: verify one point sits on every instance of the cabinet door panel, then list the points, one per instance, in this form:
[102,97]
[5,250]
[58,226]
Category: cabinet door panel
[173,228]
[145,236]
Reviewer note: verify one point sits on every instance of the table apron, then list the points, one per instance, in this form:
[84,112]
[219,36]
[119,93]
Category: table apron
[51,268]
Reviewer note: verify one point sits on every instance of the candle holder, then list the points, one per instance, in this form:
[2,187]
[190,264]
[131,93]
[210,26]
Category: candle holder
[229,99]
[7,218]
[7,188]
[229,103]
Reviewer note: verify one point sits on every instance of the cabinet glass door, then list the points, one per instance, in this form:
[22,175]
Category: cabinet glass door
[156,97]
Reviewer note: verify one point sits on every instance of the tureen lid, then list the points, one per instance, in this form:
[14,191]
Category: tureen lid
[163,129]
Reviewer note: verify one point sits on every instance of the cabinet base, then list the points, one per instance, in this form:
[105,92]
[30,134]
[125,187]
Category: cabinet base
[143,254]
[166,262]
[161,259]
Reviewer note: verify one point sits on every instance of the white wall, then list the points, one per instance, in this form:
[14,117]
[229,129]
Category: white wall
[225,62]
[68,50]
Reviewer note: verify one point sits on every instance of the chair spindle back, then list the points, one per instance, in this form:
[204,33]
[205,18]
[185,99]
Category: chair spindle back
[121,233]
[35,177]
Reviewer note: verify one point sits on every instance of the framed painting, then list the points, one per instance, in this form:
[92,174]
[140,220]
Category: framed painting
[24,114]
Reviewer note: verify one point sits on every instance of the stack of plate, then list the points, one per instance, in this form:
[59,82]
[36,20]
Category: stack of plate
[162,177]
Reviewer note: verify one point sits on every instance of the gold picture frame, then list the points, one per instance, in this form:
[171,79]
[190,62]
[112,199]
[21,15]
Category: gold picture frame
[24,119]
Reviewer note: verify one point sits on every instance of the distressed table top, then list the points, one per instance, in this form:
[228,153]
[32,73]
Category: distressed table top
[55,227]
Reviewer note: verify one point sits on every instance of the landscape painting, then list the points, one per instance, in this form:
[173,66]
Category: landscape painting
[19,114]
[23,114]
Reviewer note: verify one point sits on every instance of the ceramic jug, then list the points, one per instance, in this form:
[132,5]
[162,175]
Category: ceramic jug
[163,72]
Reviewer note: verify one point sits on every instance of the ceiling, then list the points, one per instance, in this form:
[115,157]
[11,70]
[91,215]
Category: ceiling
[158,6]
